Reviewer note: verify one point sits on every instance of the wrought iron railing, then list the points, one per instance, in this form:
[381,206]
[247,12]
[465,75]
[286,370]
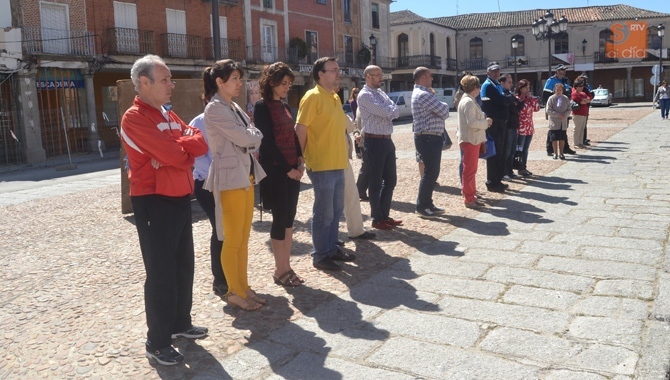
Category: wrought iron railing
[413,61]
[130,41]
[230,48]
[181,46]
[39,40]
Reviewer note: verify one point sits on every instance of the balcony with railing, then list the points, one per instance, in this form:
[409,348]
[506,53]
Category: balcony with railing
[181,46]
[130,41]
[265,54]
[654,53]
[476,64]
[39,40]
[230,48]
[413,61]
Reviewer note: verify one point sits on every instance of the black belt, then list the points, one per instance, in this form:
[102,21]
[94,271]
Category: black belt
[374,136]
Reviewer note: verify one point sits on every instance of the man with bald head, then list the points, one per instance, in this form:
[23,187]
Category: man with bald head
[377,114]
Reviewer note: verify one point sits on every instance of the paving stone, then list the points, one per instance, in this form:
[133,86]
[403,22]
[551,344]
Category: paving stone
[251,363]
[539,297]
[546,349]
[497,257]
[546,248]
[447,266]
[607,330]
[655,356]
[323,338]
[505,314]
[625,288]
[646,233]
[538,278]
[440,284]
[431,328]
[662,300]
[637,256]
[612,359]
[586,239]
[602,269]
[614,307]
[418,358]
[312,366]
[563,374]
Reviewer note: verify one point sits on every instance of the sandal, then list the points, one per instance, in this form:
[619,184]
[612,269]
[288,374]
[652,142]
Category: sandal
[254,297]
[235,300]
[287,279]
[302,281]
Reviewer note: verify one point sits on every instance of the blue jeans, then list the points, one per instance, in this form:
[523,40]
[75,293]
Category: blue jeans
[380,155]
[328,207]
[524,142]
[509,150]
[430,149]
[665,107]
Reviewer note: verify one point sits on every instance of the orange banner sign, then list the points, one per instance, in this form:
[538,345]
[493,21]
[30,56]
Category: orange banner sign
[629,40]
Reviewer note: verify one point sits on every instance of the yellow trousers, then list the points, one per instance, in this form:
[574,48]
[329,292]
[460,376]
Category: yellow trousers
[238,211]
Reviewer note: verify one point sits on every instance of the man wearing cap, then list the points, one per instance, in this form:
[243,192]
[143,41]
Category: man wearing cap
[559,77]
[496,106]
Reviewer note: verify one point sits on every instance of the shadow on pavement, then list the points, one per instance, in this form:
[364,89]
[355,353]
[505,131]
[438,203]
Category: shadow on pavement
[196,359]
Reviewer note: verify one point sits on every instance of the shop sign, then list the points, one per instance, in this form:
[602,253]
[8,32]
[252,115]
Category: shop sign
[55,84]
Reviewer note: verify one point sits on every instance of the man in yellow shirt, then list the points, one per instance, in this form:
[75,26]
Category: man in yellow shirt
[321,126]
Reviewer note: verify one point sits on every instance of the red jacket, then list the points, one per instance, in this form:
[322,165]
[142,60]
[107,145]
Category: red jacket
[146,134]
[578,97]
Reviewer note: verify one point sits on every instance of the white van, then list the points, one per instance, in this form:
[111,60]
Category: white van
[403,101]
[446,95]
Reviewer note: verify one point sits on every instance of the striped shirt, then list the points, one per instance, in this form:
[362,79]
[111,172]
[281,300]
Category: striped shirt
[428,113]
[377,111]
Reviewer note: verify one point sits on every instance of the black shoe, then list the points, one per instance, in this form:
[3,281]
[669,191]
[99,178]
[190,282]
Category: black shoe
[343,256]
[569,151]
[437,210]
[220,289]
[194,332]
[340,243]
[587,143]
[165,356]
[497,188]
[367,235]
[327,264]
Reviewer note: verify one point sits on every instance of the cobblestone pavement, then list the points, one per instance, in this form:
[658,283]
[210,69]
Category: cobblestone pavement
[563,277]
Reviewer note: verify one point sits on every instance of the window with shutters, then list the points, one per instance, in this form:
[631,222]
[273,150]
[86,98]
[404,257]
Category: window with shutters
[176,29]
[55,28]
[346,5]
[125,24]
[312,46]
[268,41]
[375,16]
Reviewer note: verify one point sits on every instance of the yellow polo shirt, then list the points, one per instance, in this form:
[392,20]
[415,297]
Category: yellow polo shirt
[321,112]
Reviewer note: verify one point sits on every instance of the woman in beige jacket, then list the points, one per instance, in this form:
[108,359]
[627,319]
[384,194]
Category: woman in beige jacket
[471,134]
[234,172]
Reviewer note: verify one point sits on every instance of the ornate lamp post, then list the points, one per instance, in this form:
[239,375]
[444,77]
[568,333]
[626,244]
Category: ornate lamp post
[547,28]
[661,32]
[373,44]
[515,45]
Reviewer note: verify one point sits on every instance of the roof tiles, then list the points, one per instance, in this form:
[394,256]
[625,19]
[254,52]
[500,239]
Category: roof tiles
[525,18]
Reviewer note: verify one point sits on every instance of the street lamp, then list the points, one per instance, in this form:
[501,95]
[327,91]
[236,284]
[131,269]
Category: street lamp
[515,45]
[661,32]
[373,44]
[547,28]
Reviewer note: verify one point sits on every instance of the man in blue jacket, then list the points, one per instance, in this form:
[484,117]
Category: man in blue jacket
[496,106]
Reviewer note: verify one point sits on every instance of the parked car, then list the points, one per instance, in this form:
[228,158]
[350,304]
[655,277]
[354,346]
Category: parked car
[602,96]
[403,101]
[446,95]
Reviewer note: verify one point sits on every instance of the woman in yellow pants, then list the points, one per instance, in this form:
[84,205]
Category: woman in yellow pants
[234,172]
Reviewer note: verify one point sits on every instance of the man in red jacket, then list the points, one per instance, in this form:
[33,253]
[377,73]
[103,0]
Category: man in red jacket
[161,150]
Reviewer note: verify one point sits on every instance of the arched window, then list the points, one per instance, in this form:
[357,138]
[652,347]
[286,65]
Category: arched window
[476,48]
[521,49]
[403,49]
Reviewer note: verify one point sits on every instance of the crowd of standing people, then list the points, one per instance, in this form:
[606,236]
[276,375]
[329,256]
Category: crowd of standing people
[223,155]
